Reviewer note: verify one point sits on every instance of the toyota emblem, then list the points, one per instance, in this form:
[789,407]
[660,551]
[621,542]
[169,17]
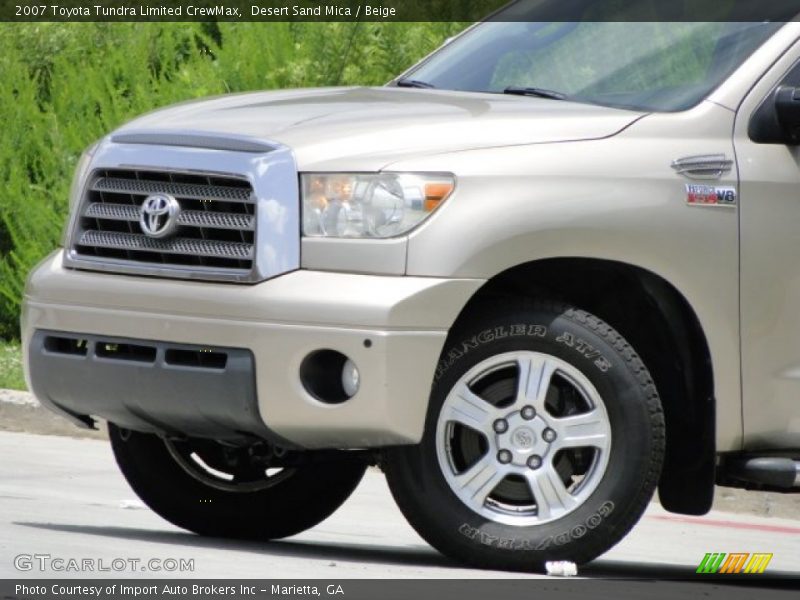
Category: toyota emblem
[158,217]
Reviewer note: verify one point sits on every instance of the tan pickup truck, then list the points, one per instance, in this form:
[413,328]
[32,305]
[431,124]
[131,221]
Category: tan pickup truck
[543,273]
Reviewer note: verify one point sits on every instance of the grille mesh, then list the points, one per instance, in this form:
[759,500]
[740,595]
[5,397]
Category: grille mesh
[145,187]
[132,241]
[215,226]
[190,218]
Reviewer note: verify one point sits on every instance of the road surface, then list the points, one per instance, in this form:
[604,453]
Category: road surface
[65,498]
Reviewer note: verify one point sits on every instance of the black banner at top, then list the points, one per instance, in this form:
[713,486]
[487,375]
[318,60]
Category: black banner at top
[399,10]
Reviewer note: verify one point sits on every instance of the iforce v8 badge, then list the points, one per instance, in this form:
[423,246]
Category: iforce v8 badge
[710,195]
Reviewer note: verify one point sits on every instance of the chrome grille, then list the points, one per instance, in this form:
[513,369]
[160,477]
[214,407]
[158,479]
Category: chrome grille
[216,223]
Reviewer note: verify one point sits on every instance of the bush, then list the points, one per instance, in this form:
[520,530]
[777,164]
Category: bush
[65,85]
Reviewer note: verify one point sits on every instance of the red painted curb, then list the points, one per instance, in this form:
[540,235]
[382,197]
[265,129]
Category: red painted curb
[727,524]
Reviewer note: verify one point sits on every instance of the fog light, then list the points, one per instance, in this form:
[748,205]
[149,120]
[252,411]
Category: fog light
[350,378]
[329,376]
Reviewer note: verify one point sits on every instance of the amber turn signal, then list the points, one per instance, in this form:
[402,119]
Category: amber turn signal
[435,193]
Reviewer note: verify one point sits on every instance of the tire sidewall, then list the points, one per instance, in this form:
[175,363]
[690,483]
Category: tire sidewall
[302,500]
[577,535]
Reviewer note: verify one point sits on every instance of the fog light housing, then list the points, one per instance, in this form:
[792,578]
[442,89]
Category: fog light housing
[329,376]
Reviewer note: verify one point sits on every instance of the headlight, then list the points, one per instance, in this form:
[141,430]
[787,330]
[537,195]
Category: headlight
[370,205]
[78,179]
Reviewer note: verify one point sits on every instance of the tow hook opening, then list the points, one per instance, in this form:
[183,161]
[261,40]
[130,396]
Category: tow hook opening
[65,345]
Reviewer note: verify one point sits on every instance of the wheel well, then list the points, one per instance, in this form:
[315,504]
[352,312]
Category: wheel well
[663,329]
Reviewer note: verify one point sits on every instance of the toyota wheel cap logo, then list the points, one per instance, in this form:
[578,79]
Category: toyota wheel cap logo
[159,215]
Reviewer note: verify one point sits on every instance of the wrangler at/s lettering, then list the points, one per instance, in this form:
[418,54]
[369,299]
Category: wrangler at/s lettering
[532,284]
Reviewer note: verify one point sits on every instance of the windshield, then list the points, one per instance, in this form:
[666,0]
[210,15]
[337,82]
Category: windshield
[641,66]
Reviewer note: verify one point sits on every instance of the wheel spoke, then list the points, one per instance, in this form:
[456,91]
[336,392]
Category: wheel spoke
[552,497]
[469,409]
[522,437]
[533,382]
[478,481]
[585,430]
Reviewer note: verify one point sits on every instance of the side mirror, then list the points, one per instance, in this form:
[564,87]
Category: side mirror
[787,108]
[777,119]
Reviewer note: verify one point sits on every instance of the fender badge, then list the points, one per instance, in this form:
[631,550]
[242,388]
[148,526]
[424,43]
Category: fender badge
[710,195]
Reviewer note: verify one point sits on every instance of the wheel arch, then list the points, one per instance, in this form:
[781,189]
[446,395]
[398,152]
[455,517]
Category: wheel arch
[662,326]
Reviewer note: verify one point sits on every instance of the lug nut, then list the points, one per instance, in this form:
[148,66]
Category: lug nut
[548,435]
[528,412]
[500,426]
[534,461]
[504,456]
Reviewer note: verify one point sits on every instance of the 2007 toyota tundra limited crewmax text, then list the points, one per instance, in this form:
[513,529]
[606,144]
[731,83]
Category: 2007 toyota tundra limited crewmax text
[549,269]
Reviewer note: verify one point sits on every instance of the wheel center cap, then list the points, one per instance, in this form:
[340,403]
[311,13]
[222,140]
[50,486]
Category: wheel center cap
[523,438]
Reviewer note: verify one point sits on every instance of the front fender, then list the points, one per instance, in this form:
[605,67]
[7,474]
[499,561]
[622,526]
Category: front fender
[616,199]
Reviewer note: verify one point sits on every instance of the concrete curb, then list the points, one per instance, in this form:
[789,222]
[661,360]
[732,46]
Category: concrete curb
[21,412]
[17,397]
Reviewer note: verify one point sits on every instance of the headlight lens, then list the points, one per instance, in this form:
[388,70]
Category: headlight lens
[370,205]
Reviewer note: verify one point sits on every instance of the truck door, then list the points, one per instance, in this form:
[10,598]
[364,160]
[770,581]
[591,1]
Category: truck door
[769,209]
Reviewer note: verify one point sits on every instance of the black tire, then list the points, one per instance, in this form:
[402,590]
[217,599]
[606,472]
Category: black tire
[300,501]
[628,480]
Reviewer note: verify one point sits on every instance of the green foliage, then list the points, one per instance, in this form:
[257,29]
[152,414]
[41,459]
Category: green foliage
[11,376]
[66,85]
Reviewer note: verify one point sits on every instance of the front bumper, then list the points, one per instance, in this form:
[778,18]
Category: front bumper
[403,320]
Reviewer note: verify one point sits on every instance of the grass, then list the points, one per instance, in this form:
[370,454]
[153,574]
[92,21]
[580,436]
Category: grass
[11,367]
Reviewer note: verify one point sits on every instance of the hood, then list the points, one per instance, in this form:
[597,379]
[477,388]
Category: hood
[367,128]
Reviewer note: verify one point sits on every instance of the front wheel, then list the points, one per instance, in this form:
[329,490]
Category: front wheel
[544,441]
[223,491]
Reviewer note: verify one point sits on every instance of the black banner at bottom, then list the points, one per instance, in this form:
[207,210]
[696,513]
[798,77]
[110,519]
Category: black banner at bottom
[730,588]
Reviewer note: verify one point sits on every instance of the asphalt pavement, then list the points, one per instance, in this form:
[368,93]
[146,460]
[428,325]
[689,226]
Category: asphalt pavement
[64,498]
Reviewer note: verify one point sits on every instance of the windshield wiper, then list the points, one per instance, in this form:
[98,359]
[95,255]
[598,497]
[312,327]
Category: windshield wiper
[414,83]
[534,91]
